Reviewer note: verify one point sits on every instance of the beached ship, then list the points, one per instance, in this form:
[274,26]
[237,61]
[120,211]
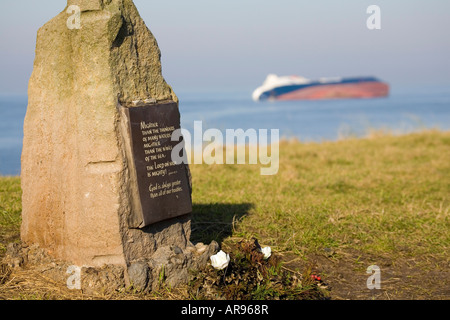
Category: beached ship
[300,88]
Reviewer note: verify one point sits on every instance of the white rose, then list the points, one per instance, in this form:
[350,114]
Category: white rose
[267,251]
[220,260]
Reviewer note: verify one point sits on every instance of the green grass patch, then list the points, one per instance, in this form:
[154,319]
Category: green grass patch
[376,196]
[10,210]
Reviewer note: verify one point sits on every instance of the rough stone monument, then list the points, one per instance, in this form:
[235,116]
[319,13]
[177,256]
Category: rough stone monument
[98,184]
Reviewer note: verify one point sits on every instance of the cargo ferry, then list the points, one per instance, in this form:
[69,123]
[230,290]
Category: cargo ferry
[300,88]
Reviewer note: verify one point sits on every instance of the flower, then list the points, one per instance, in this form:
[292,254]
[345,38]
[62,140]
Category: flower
[220,260]
[267,251]
[317,278]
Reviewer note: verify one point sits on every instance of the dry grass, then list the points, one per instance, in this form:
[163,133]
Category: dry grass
[25,284]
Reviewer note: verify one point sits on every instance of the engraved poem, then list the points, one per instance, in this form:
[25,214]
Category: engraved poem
[163,185]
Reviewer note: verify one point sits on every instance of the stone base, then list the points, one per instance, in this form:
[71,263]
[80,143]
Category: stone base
[169,266]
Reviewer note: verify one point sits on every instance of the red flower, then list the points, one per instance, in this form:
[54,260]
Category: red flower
[313,276]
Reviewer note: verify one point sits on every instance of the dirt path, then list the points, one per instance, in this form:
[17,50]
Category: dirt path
[401,278]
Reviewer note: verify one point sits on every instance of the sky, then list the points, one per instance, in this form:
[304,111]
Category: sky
[234,44]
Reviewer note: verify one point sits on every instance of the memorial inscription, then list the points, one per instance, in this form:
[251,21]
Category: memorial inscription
[162,185]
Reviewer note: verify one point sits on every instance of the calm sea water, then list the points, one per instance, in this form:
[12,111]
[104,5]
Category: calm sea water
[406,110]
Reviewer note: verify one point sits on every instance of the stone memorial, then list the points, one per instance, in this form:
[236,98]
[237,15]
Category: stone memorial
[99,187]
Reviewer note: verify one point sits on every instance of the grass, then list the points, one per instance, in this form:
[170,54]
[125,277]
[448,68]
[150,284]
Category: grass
[10,210]
[342,205]
[372,195]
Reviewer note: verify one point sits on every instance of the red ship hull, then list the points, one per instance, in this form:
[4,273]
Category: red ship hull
[338,91]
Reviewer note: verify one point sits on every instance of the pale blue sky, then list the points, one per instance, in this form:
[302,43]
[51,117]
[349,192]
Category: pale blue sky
[234,44]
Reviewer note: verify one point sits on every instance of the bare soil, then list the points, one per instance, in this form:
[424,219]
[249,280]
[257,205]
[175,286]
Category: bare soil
[402,278]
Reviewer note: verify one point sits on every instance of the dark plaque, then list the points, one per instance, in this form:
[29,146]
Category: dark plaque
[162,185]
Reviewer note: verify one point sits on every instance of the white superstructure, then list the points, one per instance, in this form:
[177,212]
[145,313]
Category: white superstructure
[273,81]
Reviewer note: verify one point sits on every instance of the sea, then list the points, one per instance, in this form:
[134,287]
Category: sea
[406,110]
